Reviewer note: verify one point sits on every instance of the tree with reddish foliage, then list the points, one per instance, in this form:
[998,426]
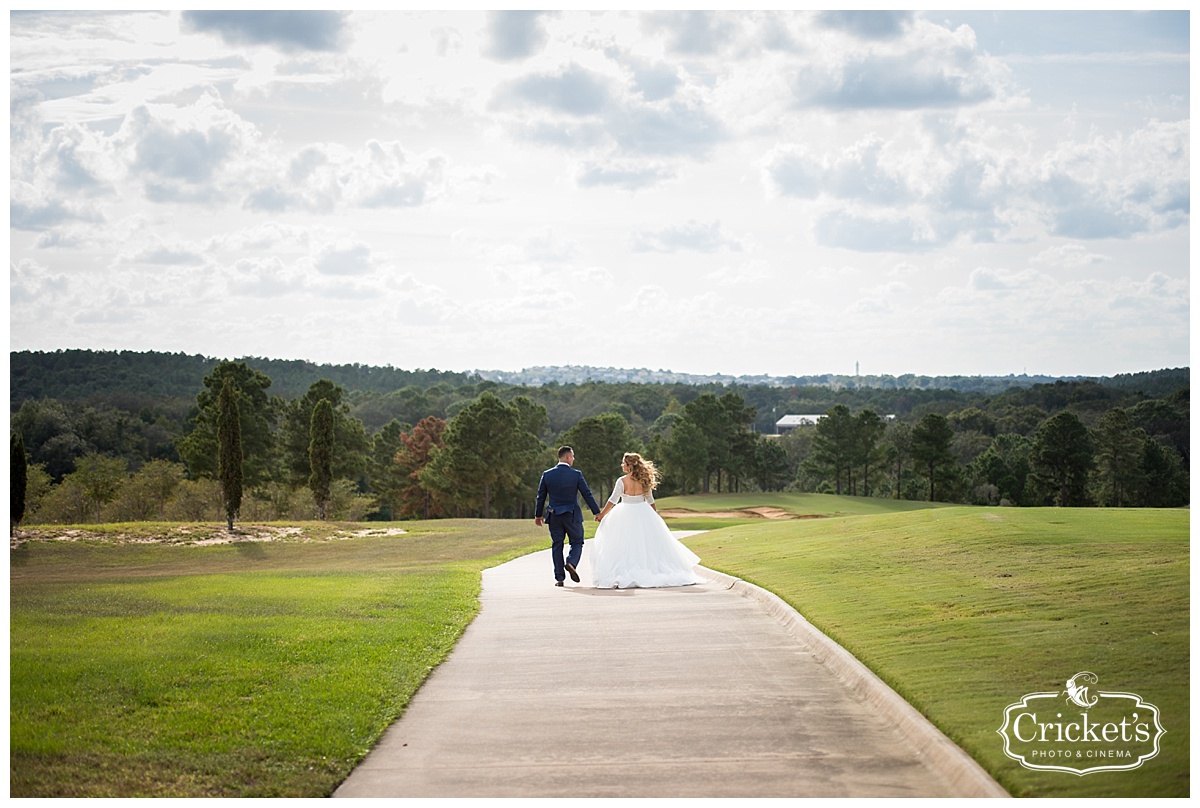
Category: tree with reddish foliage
[415,453]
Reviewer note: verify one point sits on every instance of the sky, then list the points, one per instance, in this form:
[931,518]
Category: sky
[783,192]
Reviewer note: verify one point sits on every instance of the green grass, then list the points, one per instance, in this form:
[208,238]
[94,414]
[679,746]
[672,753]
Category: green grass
[964,610]
[795,503]
[270,668]
[247,669]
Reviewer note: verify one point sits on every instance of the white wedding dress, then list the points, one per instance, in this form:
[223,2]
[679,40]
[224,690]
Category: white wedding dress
[633,547]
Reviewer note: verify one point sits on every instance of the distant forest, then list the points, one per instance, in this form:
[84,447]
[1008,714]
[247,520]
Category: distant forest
[136,408]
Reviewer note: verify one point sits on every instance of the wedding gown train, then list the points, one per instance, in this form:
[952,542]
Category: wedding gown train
[633,547]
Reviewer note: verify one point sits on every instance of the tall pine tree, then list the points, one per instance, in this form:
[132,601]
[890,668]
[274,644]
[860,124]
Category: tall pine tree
[229,449]
[320,454]
[931,447]
[19,477]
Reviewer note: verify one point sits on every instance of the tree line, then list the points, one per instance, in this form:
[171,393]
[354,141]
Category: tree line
[1127,458]
[477,449]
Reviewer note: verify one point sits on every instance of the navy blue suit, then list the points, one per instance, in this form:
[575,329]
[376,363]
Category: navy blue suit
[557,494]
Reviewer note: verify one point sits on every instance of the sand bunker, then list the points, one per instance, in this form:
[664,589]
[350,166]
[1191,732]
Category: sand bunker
[764,512]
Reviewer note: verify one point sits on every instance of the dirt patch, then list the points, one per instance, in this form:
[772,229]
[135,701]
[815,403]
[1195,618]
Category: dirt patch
[194,535]
[764,512]
[226,536]
[387,531]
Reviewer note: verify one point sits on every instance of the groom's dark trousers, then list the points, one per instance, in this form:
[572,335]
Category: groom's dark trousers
[557,494]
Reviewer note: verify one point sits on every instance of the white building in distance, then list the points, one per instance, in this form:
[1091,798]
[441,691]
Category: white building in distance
[790,422]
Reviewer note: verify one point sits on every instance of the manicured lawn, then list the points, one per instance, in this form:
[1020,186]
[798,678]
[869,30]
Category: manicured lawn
[251,669]
[271,668]
[965,610]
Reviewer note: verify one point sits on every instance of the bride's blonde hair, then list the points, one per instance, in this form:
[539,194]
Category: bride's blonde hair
[642,470]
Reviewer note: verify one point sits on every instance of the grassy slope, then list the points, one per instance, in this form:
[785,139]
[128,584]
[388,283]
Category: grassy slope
[802,505]
[964,610]
[232,670]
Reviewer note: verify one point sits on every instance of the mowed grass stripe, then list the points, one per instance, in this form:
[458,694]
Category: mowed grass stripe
[235,670]
[965,610]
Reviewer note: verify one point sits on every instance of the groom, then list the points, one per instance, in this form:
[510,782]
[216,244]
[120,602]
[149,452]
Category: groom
[563,514]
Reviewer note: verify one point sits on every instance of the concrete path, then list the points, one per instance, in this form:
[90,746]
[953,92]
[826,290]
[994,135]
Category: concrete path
[698,691]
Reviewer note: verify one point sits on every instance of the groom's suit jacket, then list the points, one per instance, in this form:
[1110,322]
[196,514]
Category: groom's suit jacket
[558,488]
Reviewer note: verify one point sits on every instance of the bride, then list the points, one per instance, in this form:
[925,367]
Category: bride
[633,546]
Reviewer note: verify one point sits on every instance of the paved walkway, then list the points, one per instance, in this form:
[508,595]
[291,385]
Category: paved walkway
[692,691]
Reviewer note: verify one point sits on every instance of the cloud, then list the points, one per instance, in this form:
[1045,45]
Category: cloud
[791,171]
[171,152]
[749,274]
[1083,220]
[29,282]
[514,35]
[920,66]
[311,181]
[873,232]
[264,278]
[655,81]
[573,91]
[587,110]
[892,83]
[870,307]
[630,175]
[984,279]
[321,177]
[263,238]
[386,176]
[72,156]
[1119,186]
[699,33]
[117,309]
[697,236]
[546,247]
[867,24]
[290,31]
[67,237]
[446,41]
[1034,314]
[34,209]
[939,186]
[860,171]
[1069,256]
[163,254]
[344,258]
[192,154]
[674,129]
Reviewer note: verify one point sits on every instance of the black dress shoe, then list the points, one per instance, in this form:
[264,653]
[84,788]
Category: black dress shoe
[571,571]
[558,583]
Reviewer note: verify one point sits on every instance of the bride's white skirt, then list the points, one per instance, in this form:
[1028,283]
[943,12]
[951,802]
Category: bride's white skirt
[634,547]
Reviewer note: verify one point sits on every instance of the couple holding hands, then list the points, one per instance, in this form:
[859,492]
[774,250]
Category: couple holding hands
[633,546]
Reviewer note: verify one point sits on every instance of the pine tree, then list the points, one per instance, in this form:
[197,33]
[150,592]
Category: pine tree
[320,454]
[1118,455]
[1063,457]
[229,449]
[931,447]
[833,446]
[19,476]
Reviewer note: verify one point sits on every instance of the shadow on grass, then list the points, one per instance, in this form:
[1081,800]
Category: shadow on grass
[251,550]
